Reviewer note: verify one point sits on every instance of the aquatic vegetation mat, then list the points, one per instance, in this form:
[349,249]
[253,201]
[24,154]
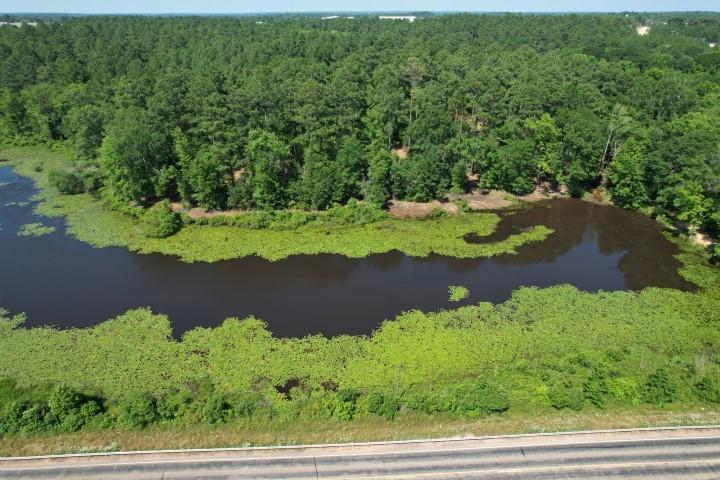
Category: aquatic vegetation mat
[89,220]
[35,230]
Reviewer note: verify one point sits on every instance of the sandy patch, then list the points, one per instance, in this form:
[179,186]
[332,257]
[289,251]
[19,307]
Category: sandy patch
[198,212]
[701,239]
[400,152]
[487,199]
[544,191]
[403,209]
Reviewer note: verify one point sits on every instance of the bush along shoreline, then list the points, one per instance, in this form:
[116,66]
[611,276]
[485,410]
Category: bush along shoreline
[355,230]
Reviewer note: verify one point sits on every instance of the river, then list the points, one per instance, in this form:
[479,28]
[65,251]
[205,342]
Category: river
[58,280]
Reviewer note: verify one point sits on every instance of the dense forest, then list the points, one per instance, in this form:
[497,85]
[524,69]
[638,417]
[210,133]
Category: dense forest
[300,112]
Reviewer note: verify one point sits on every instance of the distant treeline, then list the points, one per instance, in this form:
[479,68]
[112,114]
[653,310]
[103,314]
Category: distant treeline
[304,112]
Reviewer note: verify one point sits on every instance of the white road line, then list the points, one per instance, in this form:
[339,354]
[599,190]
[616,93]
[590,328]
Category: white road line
[354,455]
[595,466]
[534,469]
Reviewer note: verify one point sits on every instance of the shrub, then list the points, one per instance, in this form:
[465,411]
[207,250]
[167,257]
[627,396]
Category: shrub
[71,409]
[355,213]
[216,410]
[64,401]
[290,219]
[159,221]
[479,398]
[35,418]
[435,213]
[462,205]
[716,254]
[67,182]
[565,395]
[138,410]
[11,416]
[658,389]
[623,388]
[243,406]
[341,405]
[471,399]
[88,412]
[595,388]
[383,405]
[240,194]
[253,220]
[25,417]
[91,178]
[172,405]
[708,389]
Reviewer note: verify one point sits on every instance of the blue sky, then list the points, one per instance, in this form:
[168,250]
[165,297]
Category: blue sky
[228,6]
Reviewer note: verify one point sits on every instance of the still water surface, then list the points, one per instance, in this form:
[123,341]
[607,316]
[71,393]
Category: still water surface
[61,281]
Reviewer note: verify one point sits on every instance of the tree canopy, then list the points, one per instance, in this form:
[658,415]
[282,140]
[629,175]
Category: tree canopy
[304,112]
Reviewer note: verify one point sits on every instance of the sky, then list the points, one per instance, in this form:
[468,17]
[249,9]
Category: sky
[258,6]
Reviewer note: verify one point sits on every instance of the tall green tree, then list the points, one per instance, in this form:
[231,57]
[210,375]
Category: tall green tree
[268,161]
[546,138]
[626,174]
[132,155]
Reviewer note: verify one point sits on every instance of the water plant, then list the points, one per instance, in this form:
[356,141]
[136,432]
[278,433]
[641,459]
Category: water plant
[35,230]
[458,293]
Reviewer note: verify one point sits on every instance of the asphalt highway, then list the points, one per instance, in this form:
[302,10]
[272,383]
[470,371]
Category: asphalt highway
[692,453]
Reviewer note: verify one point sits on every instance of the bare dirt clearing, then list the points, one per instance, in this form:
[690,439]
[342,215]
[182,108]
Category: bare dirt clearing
[403,209]
[198,212]
[544,191]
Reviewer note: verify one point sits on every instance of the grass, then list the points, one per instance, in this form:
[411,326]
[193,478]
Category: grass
[270,433]
[90,221]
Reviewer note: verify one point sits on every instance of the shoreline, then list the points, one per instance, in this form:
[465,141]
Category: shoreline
[88,220]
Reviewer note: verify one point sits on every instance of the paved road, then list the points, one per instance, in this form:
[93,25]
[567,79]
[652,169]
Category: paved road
[692,453]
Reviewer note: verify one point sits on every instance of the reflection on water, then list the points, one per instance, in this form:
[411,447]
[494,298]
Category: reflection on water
[59,280]
[645,257]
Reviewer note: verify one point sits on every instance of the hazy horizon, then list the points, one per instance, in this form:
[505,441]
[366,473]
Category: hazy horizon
[227,7]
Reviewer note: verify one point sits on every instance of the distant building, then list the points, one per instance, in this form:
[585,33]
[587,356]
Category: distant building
[409,18]
[642,30]
[712,45]
[18,24]
[331,17]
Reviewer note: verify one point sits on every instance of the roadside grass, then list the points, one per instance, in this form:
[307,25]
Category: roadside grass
[90,221]
[304,432]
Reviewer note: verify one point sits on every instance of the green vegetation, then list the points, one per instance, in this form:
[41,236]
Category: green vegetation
[542,351]
[35,230]
[302,114]
[354,230]
[159,221]
[458,292]
[306,131]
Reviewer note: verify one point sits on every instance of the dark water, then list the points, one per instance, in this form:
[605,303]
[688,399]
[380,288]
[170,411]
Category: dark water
[61,281]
